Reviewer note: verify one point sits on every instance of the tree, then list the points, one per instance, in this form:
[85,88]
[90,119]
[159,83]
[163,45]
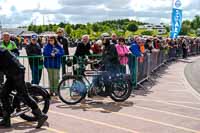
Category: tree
[45,28]
[34,28]
[30,27]
[62,25]
[148,33]
[186,27]
[95,27]
[132,27]
[39,29]
[50,27]
[88,31]
[167,28]
[105,28]
[195,24]
[82,26]
[55,27]
[68,29]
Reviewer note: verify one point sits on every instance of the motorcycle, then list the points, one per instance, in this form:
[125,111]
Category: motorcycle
[20,109]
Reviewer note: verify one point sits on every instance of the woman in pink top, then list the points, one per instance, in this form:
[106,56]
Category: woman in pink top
[123,53]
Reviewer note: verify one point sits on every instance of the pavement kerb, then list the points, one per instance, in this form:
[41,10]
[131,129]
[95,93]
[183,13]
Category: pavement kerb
[187,84]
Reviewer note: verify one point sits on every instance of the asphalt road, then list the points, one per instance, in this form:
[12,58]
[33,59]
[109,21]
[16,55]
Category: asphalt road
[170,106]
[192,73]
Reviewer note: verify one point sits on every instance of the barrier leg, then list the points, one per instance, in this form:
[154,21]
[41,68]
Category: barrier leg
[142,86]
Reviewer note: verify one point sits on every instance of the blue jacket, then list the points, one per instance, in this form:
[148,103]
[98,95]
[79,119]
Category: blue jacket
[135,49]
[49,60]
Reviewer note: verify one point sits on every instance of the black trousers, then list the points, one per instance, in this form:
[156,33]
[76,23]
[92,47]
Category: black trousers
[185,54]
[63,65]
[1,77]
[16,82]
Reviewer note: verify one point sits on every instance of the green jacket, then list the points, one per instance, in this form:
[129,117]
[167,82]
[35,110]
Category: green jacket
[10,47]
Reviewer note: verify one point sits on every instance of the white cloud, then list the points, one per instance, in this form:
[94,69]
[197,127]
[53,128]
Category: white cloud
[30,4]
[23,12]
[144,5]
[103,7]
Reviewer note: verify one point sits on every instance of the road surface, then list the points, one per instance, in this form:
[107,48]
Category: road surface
[170,106]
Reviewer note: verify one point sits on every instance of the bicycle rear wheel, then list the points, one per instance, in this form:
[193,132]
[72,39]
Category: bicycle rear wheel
[120,91]
[72,90]
[41,98]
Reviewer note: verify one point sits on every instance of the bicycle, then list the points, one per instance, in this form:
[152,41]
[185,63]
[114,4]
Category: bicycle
[74,88]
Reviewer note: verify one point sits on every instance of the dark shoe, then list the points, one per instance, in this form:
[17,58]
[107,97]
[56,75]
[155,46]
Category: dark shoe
[41,118]
[1,112]
[6,121]
[41,121]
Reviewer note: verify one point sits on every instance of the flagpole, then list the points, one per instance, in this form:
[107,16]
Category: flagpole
[171,16]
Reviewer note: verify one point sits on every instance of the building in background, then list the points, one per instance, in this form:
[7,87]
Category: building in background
[160,28]
[14,31]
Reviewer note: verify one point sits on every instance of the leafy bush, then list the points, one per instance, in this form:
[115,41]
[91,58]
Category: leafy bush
[149,33]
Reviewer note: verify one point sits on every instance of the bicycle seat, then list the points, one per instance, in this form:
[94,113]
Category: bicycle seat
[94,73]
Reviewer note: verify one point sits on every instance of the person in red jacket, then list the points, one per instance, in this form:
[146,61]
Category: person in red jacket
[97,47]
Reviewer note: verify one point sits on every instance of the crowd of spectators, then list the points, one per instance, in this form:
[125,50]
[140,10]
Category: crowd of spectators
[48,52]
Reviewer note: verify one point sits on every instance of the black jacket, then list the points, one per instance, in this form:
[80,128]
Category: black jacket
[34,50]
[82,50]
[9,64]
[110,56]
[63,41]
[113,42]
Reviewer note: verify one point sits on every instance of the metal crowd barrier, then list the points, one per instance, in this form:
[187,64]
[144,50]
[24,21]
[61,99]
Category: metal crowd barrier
[194,49]
[35,69]
[139,70]
[153,61]
[67,65]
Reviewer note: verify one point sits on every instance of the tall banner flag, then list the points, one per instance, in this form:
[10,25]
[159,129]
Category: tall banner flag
[176,21]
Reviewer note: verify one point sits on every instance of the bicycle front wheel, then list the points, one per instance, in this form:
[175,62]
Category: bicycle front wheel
[72,90]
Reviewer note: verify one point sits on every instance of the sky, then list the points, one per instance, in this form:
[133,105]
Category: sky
[15,13]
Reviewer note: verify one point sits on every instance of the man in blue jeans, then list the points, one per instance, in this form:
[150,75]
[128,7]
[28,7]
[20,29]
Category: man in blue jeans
[36,63]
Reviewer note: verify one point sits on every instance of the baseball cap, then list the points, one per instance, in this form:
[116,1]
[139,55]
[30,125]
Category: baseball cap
[34,37]
[105,36]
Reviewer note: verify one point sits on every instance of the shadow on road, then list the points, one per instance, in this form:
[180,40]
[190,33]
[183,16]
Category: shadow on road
[108,107]
[146,87]
[21,127]
[101,106]
[153,78]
